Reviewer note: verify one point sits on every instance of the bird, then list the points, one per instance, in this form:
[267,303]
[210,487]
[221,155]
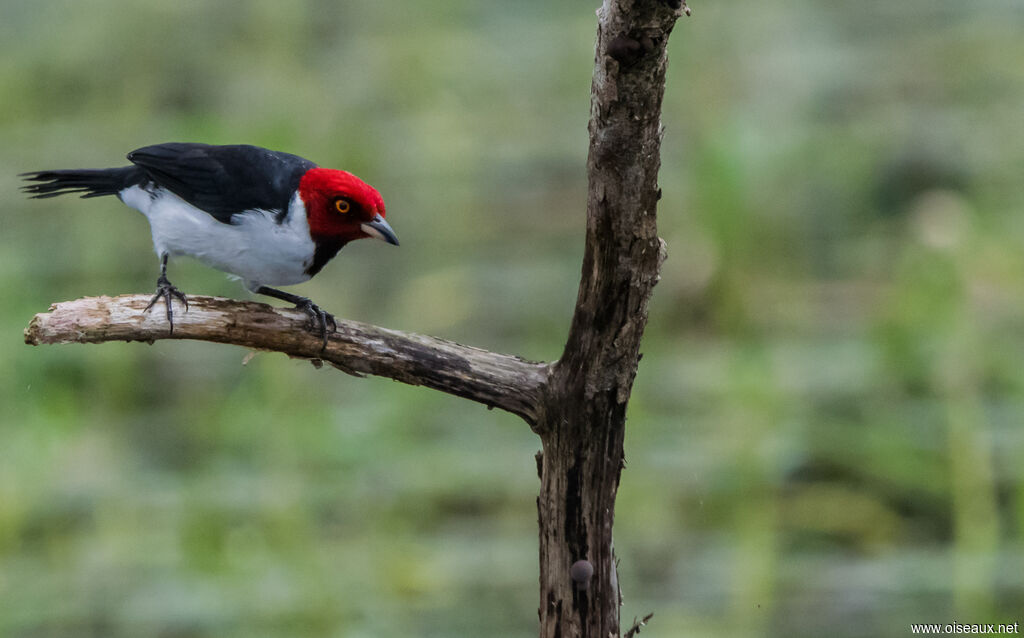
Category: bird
[270,218]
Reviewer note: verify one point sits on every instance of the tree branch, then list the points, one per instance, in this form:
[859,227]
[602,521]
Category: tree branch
[496,380]
[578,404]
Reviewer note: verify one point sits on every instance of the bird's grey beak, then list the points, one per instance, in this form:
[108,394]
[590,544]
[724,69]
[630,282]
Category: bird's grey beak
[380,229]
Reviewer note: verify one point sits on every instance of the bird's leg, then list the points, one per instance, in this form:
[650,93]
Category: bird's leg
[319,319]
[165,289]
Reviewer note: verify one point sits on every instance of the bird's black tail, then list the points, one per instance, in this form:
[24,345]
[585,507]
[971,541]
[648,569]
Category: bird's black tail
[91,183]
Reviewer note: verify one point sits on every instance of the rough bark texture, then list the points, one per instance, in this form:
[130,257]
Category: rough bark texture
[582,417]
[578,404]
[496,380]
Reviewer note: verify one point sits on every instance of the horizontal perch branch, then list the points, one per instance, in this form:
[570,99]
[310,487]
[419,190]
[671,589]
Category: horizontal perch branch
[496,380]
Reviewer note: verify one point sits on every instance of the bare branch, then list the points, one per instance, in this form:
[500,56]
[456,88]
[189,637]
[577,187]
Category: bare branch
[637,624]
[578,404]
[496,380]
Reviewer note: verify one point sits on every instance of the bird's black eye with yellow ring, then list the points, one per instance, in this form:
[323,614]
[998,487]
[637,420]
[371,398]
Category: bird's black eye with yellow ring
[342,205]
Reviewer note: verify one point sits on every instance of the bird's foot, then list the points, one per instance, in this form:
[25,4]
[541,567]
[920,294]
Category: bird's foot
[319,319]
[167,290]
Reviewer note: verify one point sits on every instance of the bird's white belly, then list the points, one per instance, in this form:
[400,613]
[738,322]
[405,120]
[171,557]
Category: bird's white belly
[254,247]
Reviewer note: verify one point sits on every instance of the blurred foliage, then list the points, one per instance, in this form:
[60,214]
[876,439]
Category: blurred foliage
[825,435]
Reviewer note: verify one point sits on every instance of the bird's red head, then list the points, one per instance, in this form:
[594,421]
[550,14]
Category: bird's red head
[342,207]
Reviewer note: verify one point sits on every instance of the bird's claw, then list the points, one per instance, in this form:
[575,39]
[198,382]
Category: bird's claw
[165,289]
[320,320]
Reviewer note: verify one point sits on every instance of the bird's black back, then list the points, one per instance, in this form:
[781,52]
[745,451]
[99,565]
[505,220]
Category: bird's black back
[224,180]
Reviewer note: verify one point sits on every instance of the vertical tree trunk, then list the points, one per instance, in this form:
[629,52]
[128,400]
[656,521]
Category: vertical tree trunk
[582,418]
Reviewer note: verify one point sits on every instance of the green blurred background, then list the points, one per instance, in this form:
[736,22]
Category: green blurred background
[825,436]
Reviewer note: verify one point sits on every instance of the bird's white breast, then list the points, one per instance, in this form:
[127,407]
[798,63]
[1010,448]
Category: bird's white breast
[254,246]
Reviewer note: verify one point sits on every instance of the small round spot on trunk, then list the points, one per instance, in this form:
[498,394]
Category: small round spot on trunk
[582,571]
[623,49]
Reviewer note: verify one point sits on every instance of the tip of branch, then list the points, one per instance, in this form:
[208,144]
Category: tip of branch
[637,624]
[32,332]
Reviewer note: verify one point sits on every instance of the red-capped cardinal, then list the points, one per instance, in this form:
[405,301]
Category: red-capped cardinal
[268,217]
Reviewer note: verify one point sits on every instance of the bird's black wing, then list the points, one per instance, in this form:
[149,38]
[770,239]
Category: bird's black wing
[224,180]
